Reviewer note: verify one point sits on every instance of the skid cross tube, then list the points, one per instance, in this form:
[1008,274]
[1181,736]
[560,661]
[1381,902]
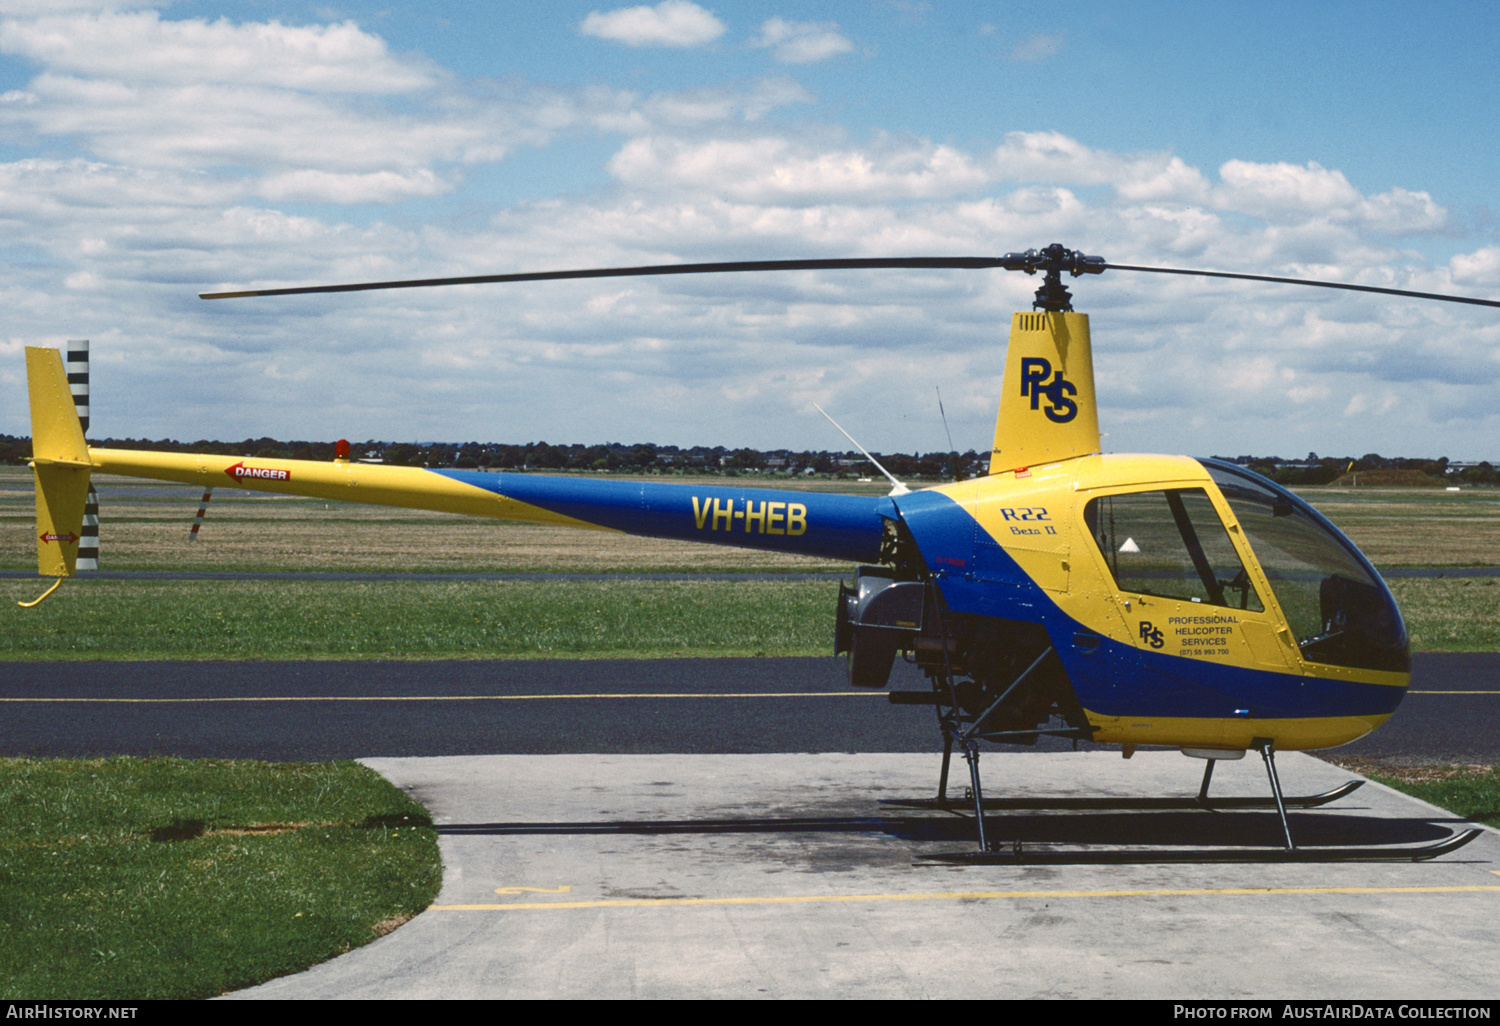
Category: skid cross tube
[979,720]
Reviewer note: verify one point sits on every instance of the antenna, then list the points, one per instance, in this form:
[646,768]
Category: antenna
[944,415]
[899,489]
[952,452]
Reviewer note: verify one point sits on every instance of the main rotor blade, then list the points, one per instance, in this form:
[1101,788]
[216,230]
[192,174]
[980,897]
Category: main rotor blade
[1308,281]
[1011,261]
[626,272]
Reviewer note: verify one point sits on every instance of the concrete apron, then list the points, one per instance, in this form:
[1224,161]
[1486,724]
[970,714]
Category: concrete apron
[731,876]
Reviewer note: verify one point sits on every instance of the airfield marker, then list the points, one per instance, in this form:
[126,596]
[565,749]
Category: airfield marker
[78,385]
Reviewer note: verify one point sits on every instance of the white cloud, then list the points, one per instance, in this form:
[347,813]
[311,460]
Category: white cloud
[675,23]
[1052,156]
[1284,193]
[140,48]
[707,105]
[802,42]
[375,187]
[1037,49]
[274,106]
[776,170]
[1480,268]
[196,126]
[34,8]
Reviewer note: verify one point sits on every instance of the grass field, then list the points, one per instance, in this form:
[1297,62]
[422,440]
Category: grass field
[521,619]
[1406,527]
[1471,791]
[168,878]
[417,619]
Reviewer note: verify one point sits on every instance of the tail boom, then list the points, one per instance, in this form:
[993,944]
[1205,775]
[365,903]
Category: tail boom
[811,523]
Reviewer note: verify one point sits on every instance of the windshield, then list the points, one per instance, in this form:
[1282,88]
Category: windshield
[1336,605]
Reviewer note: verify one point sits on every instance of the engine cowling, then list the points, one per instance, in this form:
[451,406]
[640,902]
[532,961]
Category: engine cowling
[875,619]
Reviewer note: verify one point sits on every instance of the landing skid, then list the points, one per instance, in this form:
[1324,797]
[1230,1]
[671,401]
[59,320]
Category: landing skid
[1015,853]
[1018,855]
[1306,801]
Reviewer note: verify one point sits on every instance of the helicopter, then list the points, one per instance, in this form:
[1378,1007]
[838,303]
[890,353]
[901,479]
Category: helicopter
[1110,598]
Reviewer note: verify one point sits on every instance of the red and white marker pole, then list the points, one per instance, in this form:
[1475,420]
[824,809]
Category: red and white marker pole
[208,493]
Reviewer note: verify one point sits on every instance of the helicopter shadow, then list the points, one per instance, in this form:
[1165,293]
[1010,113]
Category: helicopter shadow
[1124,829]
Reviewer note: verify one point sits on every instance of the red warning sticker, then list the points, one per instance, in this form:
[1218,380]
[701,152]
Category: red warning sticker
[239,471]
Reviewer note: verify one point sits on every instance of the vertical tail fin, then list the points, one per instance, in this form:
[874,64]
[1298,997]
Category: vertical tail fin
[60,462]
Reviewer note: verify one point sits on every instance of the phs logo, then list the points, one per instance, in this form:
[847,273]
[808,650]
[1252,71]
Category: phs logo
[1034,383]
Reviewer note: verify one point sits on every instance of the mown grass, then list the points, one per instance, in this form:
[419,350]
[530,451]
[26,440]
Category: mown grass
[103,619]
[1471,791]
[1405,527]
[1450,614]
[168,878]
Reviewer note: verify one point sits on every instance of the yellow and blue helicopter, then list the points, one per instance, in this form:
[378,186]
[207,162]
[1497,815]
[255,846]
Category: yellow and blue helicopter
[1123,599]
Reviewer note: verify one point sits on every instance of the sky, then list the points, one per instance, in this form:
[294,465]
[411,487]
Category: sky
[149,153]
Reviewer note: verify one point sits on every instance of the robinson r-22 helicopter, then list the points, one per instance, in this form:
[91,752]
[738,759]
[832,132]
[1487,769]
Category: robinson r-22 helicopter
[1123,599]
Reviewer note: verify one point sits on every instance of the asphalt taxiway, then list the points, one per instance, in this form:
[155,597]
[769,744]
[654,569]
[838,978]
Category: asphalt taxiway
[316,710]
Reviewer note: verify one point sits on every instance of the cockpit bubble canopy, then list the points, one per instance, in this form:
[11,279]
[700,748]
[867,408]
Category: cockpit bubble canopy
[1335,603]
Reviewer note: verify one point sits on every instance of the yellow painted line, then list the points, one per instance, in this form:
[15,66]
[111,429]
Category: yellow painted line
[526,698]
[813,899]
[463,698]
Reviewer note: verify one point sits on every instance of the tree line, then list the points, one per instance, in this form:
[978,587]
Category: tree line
[646,458]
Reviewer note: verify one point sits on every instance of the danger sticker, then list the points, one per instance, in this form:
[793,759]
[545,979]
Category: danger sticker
[239,472]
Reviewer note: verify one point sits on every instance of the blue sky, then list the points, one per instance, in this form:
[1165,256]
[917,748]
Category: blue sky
[151,152]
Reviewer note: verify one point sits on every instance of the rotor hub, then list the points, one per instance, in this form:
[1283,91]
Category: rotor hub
[1053,260]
